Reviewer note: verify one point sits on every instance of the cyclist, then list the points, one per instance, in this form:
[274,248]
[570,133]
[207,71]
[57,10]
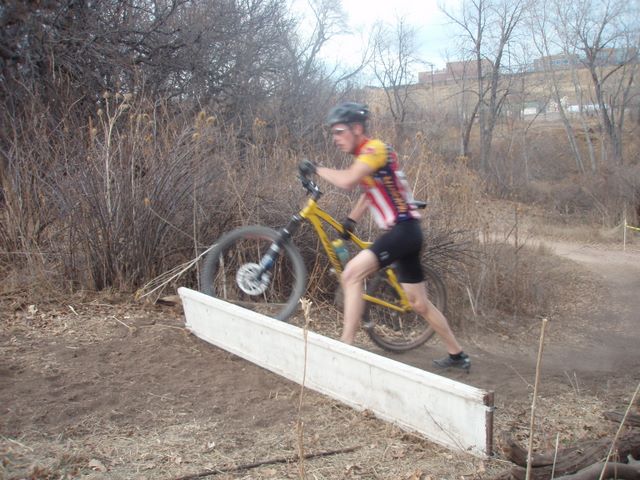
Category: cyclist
[386,194]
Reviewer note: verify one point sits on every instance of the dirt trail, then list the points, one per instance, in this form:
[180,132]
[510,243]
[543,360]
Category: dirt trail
[613,328]
[592,352]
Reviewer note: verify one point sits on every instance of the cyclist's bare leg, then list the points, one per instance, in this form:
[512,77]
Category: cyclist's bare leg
[421,304]
[357,269]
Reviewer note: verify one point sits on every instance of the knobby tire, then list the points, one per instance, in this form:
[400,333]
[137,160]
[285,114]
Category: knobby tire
[396,331]
[248,245]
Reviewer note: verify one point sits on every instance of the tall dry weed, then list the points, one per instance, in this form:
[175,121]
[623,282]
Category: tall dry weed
[27,214]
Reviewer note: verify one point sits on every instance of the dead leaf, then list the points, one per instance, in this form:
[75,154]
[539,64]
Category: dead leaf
[352,468]
[97,465]
[398,453]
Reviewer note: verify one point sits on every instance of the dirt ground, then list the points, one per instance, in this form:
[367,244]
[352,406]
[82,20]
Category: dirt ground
[100,387]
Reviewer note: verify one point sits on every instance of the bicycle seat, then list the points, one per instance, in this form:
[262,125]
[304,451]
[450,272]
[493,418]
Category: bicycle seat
[418,204]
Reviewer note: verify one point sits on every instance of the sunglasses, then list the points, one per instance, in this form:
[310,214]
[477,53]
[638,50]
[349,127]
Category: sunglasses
[338,131]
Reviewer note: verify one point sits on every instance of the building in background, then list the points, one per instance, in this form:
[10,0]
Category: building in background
[454,72]
[462,70]
[555,62]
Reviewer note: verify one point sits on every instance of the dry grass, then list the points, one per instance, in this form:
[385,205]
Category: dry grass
[187,448]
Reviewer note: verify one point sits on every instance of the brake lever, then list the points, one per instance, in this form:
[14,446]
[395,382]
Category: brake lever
[305,182]
[309,185]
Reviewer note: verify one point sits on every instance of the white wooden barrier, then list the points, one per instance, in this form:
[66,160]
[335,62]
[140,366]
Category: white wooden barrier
[447,412]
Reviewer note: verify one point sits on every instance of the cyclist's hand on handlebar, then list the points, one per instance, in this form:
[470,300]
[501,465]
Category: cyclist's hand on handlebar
[307,167]
[348,226]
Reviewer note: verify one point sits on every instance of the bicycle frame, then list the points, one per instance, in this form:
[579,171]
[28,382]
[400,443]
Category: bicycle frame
[315,215]
[258,267]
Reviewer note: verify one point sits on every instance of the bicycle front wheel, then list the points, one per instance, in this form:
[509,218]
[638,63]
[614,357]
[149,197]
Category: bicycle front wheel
[398,331]
[229,272]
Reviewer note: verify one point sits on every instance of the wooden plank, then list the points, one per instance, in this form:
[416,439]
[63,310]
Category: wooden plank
[444,411]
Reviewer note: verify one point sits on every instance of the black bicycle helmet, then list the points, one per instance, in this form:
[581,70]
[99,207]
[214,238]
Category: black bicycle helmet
[348,112]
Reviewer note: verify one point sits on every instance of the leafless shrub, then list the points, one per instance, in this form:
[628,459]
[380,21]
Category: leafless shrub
[26,212]
[548,176]
[127,196]
[513,280]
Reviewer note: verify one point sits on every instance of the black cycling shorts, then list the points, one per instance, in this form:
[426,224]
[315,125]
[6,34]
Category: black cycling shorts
[401,245]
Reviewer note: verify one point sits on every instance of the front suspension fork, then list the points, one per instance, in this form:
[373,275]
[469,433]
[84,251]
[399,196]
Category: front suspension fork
[284,235]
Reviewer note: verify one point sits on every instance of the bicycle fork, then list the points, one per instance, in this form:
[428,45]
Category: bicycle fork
[268,260]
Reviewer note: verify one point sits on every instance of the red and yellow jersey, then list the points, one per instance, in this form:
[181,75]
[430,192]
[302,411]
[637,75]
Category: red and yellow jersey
[389,195]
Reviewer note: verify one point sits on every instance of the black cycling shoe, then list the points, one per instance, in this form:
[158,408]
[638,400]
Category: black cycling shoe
[463,363]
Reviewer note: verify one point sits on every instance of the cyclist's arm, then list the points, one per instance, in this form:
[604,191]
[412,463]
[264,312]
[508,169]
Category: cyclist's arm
[348,178]
[359,208]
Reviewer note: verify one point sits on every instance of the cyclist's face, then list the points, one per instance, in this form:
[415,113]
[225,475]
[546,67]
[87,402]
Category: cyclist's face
[345,137]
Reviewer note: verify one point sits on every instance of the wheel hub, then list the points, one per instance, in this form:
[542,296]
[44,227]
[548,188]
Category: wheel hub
[248,280]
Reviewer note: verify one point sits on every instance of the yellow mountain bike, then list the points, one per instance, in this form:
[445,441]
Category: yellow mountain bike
[260,268]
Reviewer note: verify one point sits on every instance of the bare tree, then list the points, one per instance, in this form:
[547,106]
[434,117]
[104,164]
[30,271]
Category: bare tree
[490,31]
[394,60]
[307,84]
[545,30]
[229,52]
[467,104]
[605,33]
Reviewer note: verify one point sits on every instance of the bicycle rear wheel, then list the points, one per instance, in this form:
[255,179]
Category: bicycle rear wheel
[229,272]
[400,331]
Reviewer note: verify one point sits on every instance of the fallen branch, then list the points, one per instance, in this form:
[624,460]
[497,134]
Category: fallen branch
[632,420]
[569,460]
[272,461]
[620,471]
[615,438]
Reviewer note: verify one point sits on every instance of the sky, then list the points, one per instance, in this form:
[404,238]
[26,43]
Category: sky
[433,27]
